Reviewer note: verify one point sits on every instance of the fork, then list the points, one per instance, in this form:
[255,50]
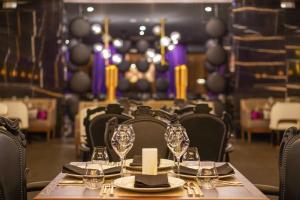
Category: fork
[198,192]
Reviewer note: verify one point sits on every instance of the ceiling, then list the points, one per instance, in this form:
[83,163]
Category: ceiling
[189,19]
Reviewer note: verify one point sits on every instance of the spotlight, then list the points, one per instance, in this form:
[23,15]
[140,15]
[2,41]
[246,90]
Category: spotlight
[118,43]
[175,36]
[90,9]
[96,28]
[157,58]
[150,53]
[67,42]
[156,30]
[208,9]
[98,47]
[117,59]
[106,53]
[133,66]
[142,33]
[142,28]
[201,81]
[165,41]
[171,47]
[287,4]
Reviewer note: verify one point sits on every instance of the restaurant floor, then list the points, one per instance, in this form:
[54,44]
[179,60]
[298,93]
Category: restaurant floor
[258,161]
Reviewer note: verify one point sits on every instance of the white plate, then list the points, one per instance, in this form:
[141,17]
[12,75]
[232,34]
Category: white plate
[127,183]
[163,165]
[91,166]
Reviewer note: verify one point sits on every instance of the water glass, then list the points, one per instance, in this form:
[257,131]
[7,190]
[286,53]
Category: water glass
[100,155]
[191,158]
[207,173]
[93,178]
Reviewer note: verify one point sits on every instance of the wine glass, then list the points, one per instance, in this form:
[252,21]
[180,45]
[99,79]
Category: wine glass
[191,157]
[93,178]
[122,141]
[177,141]
[207,173]
[100,155]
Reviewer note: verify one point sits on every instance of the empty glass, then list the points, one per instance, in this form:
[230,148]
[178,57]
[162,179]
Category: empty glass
[122,141]
[100,155]
[191,158]
[207,173]
[93,178]
[177,141]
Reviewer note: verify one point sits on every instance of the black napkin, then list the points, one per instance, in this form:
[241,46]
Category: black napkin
[137,161]
[72,169]
[222,170]
[151,181]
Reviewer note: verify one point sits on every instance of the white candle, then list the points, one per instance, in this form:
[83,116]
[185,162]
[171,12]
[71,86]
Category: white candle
[149,161]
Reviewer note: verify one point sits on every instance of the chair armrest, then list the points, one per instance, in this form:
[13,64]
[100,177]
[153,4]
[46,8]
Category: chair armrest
[36,186]
[229,148]
[268,189]
[84,148]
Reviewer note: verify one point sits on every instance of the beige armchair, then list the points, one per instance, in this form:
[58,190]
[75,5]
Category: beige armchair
[249,125]
[48,125]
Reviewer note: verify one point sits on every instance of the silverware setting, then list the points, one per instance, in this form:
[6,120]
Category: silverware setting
[107,189]
[222,183]
[193,190]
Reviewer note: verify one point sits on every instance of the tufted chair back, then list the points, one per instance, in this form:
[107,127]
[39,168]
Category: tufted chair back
[12,161]
[289,165]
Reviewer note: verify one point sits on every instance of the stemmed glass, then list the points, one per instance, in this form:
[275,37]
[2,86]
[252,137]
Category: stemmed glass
[177,141]
[207,173]
[191,157]
[122,141]
[100,155]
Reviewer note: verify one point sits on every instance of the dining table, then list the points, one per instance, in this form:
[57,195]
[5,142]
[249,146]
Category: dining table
[243,191]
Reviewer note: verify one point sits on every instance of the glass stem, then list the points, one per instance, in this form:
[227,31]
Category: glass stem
[122,166]
[178,166]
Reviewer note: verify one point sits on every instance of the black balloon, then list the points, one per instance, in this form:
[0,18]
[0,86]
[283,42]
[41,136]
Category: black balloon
[72,102]
[125,47]
[124,66]
[142,45]
[162,84]
[123,85]
[80,27]
[80,82]
[142,65]
[210,67]
[161,68]
[216,55]
[143,85]
[216,83]
[215,28]
[80,54]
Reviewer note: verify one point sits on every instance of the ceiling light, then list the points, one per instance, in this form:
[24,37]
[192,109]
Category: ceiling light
[96,28]
[150,53]
[98,47]
[132,20]
[90,9]
[165,41]
[106,53]
[156,30]
[175,36]
[142,33]
[157,58]
[287,4]
[142,28]
[133,66]
[117,59]
[118,43]
[10,4]
[171,47]
[201,81]
[208,9]
[67,41]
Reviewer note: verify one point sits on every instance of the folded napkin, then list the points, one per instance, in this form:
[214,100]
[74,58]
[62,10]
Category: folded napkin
[222,170]
[151,181]
[72,169]
[137,161]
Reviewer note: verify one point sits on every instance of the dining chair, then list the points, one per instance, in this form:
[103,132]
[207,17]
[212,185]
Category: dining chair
[95,127]
[19,111]
[207,132]
[149,127]
[289,165]
[284,115]
[13,169]
[230,132]
[3,109]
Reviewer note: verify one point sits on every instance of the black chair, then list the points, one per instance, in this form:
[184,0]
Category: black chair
[206,132]
[227,119]
[13,163]
[289,165]
[95,127]
[149,127]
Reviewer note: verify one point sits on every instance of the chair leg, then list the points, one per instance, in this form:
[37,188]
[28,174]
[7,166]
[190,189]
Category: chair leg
[48,135]
[249,136]
[277,137]
[243,134]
